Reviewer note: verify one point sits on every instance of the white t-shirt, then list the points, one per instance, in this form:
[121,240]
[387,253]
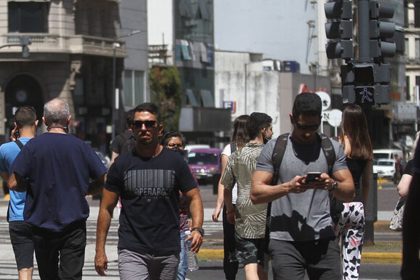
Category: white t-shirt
[227,152]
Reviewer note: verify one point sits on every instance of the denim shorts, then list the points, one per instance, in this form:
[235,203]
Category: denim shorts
[22,243]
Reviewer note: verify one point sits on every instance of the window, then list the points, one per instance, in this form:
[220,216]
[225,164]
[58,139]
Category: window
[28,17]
[417,48]
[417,13]
[133,88]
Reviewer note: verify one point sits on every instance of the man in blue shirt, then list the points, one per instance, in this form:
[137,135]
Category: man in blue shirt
[58,170]
[20,234]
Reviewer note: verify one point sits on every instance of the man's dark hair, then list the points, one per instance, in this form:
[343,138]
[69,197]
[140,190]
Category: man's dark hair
[171,134]
[25,116]
[307,103]
[130,117]
[256,122]
[147,107]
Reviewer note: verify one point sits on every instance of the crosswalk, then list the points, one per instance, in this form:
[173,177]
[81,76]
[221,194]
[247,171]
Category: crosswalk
[212,230]
[8,265]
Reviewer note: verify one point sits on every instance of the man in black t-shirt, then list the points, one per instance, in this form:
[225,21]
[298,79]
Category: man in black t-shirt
[148,179]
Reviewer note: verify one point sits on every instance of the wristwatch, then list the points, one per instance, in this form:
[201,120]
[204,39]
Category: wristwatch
[200,230]
[333,186]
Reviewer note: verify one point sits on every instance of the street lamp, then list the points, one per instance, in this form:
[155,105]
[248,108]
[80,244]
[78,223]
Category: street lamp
[24,42]
[116,91]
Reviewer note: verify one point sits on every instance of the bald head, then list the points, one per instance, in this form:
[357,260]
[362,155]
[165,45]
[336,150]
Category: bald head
[56,112]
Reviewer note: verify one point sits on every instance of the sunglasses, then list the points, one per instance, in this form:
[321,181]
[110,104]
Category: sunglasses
[175,146]
[147,124]
[310,127]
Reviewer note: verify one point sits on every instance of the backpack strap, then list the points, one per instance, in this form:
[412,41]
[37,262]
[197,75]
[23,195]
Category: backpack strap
[329,152]
[276,157]
[20,144]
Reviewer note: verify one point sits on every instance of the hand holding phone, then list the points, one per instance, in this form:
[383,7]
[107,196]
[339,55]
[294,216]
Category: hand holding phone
[312,177]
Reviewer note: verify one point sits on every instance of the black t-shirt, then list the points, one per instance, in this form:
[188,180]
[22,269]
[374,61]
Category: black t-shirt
[409,168]
[123,142]
[149,190]
[356,167]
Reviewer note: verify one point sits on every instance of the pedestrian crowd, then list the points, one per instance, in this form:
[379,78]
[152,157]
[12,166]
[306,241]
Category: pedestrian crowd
[296,201]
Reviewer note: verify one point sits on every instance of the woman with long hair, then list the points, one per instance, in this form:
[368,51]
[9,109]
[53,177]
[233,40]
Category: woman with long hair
[238,140]
[358,149]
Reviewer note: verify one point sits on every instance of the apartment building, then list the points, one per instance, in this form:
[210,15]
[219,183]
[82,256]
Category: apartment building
[77,52]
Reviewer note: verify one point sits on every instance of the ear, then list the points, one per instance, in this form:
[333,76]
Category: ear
[36,123]
[160,133]
[291,118]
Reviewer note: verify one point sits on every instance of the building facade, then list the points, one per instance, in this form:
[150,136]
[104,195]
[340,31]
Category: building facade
[186,40]
[74,45]
[246,83]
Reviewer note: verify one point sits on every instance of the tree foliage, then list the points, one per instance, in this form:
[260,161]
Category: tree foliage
[165,86]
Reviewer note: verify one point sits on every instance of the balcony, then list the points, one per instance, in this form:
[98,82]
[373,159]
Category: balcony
[77,44]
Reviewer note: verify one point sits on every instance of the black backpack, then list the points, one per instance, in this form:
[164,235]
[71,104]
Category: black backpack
[277,157]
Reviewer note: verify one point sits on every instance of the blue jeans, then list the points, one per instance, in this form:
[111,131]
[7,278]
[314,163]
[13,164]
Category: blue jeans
[183,265]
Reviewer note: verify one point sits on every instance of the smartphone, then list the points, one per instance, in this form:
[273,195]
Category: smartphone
[311,177]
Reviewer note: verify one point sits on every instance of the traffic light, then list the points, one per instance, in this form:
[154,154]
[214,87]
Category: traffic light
[365,83]
[25,41]
[339,29]
[381,30]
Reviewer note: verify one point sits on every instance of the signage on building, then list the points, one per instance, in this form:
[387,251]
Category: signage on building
[404,111]
[230,105]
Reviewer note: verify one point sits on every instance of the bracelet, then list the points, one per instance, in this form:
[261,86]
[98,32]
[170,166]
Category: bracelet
[200,230]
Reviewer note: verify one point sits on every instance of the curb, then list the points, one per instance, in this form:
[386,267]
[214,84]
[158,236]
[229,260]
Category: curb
[382,257]
[368,257]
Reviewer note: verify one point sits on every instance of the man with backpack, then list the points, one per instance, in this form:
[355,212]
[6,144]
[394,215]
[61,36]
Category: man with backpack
[301,235]
[25,124]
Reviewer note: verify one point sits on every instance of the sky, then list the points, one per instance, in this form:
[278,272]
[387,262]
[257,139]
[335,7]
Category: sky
[276,28]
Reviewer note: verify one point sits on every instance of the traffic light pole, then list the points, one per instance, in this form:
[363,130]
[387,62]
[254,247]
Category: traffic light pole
[363,31]
[364,58]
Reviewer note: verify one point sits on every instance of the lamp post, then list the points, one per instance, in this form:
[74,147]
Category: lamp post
[246,87]
[24,42]
[115,90]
